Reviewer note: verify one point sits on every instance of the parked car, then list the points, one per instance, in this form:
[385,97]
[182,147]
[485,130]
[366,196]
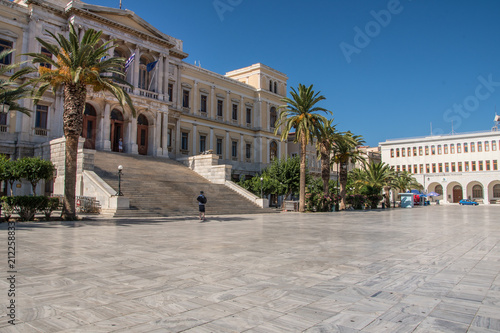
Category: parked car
[468,202]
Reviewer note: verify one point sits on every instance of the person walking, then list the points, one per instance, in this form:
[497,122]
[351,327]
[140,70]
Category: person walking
[120,145]
[202,200]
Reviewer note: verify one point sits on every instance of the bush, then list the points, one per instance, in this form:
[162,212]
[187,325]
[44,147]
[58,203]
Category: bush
[27,206]
[357,201]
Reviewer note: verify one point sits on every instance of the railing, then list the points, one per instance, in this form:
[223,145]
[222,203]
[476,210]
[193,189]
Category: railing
[41,131]
[147,93]
[4,128]
[87,205]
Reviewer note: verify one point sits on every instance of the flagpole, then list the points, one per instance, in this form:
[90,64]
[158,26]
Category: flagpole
[152,77]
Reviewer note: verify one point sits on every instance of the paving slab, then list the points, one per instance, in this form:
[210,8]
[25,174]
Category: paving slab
[426,269]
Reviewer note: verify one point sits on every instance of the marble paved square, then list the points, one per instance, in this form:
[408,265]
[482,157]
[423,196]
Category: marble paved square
[428,269]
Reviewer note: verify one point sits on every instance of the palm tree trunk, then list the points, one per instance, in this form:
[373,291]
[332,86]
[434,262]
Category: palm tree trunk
[343,184]
[74,104]
[325,168]
[387,190]
[302,183]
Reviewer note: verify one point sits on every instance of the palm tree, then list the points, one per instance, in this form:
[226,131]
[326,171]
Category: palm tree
[345,152]
[76,66]
[405,181]
[326,136]
[380,176]
[11,92]
[298,115]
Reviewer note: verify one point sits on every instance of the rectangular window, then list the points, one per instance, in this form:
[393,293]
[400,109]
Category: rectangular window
[473,163]
[420,151]
[466,148]
[219,146]
[472,147]
[495,165]
[415,169]
[392,152]
[447,167]
[203,143]
[185,98]
[426,150]
[459,148]
[414,151]
[408,152]
[480,165]
[203,103]
[234,149]
[488,165]
[235,112]
[46,53]
[409,168]
[433,150]
[466,166]
[169,137]
[248,151]
[421,168]
[184,140]
[42,112]
[249,116]
[398,168]
[479,147]
[446,149]
[460,167]
[433,167]
[452,149]
[403,152]
[4,46]
[486,146]
[170,92]
[220,108]
[404,167]
[427,168]
[440,151]
[493,145]
[397,152]
[453,169]
[440,166]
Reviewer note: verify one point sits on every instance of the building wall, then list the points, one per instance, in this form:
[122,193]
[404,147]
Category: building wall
[161,117]
[455,163]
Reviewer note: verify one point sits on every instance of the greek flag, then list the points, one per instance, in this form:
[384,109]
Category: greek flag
[151,66]
[129,61]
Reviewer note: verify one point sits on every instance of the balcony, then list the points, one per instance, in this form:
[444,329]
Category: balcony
[147,93]
[41,131]
[4,128]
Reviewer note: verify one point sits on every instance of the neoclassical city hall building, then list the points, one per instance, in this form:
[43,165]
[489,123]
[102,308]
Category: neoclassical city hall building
[456,166]
[182,109]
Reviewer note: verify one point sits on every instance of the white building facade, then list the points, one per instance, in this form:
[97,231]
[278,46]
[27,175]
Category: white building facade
[457,166]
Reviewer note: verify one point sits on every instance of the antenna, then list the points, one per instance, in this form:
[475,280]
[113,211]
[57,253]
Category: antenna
[120,4]
[452,132]
[431,128]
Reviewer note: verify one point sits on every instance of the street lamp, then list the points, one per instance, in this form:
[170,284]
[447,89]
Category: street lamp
[119,193]
[261,189]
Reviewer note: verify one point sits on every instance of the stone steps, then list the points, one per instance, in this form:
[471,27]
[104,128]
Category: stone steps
[163,187]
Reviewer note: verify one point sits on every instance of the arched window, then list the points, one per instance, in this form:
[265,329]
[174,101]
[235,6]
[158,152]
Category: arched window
[270,85]
[142,120]
[273,117]
[477,191]
[496,191]
[275,87]
[273,150]
[89,110]
[116,115]
[439,189]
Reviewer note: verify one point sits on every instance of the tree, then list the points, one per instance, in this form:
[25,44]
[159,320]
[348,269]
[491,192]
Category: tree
[379,176]
[299,115]
[326,136]
[11,92]
[34,169]
[345,152]
[76,65]
[405,181]
[9,171]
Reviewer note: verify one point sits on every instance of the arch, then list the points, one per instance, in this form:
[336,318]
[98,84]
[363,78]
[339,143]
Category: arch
[273,116]
[142,134]
[439,189]
[89,128]
[457,193]
[477,192]
[496,191]
[273,150]
[116,129]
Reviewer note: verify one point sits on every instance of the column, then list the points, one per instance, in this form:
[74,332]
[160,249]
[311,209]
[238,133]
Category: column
[242,119]
[486,194]
[135,66]
[242,149]
[211,139]
[131,141]
[177,89]
[177,137]
[258,114]
[268,158]
[445,193]
[228,107]
[158,151]
[195,107]
[213,106]
[195,137]
[159,75]
[165,133]
[228,146]
[106,142]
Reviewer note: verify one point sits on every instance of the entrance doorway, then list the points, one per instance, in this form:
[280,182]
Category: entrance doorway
[457,193]
[89,126]
[116,129]
[142,135]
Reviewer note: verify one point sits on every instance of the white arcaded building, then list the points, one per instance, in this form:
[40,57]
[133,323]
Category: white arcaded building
[457,166]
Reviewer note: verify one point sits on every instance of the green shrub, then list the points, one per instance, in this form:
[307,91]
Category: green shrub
[51,205]
[27,206]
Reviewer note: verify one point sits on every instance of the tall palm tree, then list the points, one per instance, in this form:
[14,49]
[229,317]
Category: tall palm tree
[11,92]
[299,115]
[405,181]
[345,151]
[76,65]
[326,135]
[380,176]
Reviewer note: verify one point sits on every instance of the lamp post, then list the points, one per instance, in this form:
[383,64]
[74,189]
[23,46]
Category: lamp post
[119,193]
[261,189]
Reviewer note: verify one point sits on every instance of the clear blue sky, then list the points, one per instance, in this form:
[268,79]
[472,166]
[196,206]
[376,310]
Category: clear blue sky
[388,69]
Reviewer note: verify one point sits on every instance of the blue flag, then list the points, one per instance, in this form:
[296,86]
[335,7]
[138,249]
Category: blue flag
[129,61]
[151,66]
